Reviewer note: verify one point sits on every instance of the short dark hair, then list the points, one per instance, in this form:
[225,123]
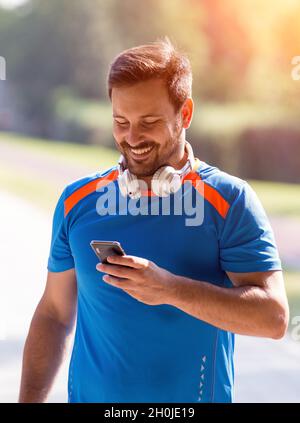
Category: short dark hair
[159,59]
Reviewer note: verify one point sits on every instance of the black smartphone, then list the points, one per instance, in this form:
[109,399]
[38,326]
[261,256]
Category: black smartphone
[103,249]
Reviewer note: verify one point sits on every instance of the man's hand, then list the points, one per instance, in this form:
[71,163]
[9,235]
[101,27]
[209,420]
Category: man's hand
[256,304]
[138,277]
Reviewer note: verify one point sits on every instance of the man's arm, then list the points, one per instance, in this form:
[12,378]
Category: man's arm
[44,349]
[256,305]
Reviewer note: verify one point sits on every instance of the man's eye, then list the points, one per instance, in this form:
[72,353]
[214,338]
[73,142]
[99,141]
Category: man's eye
[151,122]
[121,123]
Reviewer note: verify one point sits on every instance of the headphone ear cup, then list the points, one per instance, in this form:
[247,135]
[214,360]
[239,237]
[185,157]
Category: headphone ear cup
[165,181]
[129,185]
[155,182]
[133,187]
[122,181]
[175,183]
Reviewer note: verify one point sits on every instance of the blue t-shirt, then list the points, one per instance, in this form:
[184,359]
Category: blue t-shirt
[125,350]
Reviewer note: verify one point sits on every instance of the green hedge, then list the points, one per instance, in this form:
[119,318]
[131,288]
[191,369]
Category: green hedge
[250,140]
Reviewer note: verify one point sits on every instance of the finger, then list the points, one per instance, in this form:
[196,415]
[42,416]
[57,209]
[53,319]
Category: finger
[117,282]
[115,270]
[130,261]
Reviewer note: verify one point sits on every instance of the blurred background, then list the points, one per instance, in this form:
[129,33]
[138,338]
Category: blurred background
[56,126]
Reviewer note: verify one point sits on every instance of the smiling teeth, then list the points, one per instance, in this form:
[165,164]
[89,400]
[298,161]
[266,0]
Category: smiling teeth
[140,150]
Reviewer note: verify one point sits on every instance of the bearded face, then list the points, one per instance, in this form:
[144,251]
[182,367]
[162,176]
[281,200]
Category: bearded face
[147,130]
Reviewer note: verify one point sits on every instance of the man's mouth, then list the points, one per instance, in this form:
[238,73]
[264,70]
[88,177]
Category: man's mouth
[140,153]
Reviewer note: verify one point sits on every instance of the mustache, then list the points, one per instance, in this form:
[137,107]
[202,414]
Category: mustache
[126,146]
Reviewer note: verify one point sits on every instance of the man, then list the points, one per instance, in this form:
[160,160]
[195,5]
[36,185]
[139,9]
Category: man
[157,324]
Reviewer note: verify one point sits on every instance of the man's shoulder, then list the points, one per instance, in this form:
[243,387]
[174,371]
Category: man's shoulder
[90,179]
[227,185]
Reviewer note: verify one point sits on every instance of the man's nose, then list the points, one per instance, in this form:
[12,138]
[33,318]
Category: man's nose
[133,136]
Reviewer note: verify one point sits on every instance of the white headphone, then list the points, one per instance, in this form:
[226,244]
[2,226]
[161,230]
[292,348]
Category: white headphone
[166,179]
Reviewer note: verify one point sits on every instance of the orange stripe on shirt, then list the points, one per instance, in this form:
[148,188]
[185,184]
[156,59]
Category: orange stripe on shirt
[209,193]
[87,189]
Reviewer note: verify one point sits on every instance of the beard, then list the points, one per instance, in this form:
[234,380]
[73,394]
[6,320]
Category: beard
[158,157]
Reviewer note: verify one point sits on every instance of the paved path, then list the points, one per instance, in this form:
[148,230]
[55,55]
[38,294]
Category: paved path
[266,370]
[24,241]
[39,165]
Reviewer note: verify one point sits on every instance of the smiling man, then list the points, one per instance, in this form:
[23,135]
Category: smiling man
[157,324]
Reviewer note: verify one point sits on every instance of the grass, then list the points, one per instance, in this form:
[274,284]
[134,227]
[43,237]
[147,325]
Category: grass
[64,152]
[40,193]
[278,199]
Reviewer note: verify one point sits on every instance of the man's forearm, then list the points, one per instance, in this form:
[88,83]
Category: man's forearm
[247,310]
[43,354]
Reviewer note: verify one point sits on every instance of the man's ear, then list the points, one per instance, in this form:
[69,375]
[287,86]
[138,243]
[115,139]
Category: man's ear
[187,112]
